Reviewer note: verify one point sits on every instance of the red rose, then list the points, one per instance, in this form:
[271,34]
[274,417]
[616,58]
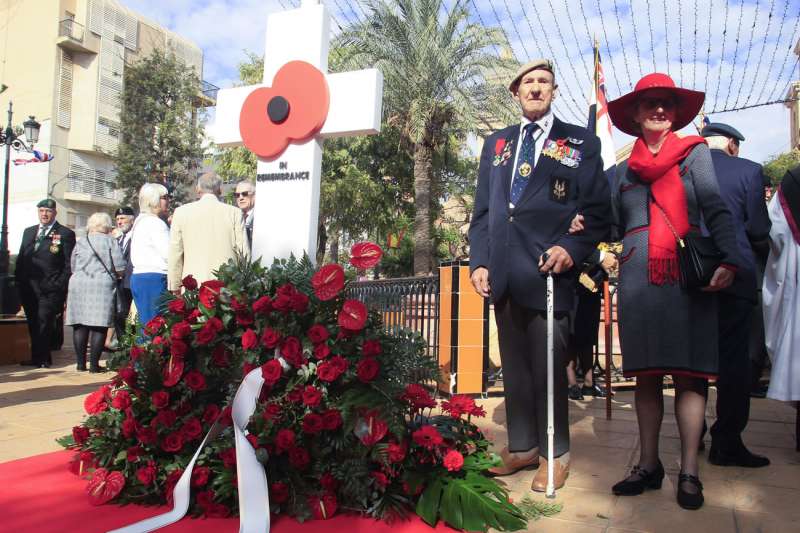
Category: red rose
[318,333]
[177,306]
[200,476]
[284,440]
[226,418]
[263,305]
[252,439]
[292,351]
[299,302]
[299,458]
[323,507]
[191,429]
[146,435]
[271,371]
[367,370]
[371,348]
[271,412]
[248,367]
[282,303]
[195,380]
[328,281]
[192,317]
[249,339]
[331,419]
[181,330]
[189,283]
[209,293]
[327,372]
[216,324]
[122,400]
[179,348]
[128,427]
[279,492]
[147,474]
[295,395]
[365,255]
[396,452]
[312,423]
[228,457]
[321,351]
[453,461]
[339,362]
[311,396]
[136,352]
[160,399]
[133,453]
[128,375]
[80,435]
[97,402]
[206,334]
[353,315]
[104,486]
[427,437]
[173,371]
[219,357]
[238,306]
[166,418]
[211,413]
[270,338]
[287,289]
[154,325]
[244,318]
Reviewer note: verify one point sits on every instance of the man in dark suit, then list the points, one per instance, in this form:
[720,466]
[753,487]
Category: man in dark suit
[124,217]
[741,185]
[534,177]
[42,274]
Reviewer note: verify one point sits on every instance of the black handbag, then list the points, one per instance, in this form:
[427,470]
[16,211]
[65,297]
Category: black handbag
[698,257]
[119,298]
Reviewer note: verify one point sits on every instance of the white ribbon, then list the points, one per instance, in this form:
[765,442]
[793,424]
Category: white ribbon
[252,479]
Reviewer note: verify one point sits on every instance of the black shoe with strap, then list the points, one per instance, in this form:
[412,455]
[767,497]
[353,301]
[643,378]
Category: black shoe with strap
[690,500]
[644,479]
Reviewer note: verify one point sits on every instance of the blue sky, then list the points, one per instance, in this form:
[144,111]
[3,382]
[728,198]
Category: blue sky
[750,59]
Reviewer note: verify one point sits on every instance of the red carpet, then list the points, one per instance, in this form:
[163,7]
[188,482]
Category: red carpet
[38,494]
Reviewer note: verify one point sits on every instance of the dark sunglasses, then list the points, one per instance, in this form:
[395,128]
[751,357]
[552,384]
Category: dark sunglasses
[652,103]
[244,194]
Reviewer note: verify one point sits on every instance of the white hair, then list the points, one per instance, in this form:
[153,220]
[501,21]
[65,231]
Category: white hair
[150,197]
[250,185]
[209,183]
[719,142]
[99,223]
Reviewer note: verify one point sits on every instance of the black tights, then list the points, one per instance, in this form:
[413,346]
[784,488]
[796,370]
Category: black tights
[95,338]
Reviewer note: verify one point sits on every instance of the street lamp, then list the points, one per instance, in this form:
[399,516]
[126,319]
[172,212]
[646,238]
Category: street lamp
[9,139]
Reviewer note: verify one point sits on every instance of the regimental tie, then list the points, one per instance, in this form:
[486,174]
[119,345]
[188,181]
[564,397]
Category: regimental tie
[525,161]
[40,237]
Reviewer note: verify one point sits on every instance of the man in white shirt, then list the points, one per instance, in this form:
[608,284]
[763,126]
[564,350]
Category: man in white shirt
[204,235]
[124,217]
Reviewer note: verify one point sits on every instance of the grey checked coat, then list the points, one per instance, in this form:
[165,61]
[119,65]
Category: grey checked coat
[90,300]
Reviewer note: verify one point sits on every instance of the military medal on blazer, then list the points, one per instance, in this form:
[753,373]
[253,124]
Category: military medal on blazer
[502,152]
[55,242]
[566,155]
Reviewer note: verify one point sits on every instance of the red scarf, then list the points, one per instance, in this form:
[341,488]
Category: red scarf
[662,173]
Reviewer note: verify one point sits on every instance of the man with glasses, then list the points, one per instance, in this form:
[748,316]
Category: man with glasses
[42,273]
[741,184]
[245,196]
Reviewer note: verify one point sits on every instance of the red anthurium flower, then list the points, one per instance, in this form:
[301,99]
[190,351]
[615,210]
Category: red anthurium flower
[300,99]
[104,486]
[323,507]
[365,254]
[353,315]
[173,371]
[328,282]
[370,429]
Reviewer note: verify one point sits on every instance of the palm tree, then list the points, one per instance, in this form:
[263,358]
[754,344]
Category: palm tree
[435,65]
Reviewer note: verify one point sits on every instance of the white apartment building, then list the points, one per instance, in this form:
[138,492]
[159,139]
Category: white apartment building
[63,62]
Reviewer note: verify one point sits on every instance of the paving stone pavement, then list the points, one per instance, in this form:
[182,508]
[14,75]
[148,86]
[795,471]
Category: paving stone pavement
[39,405]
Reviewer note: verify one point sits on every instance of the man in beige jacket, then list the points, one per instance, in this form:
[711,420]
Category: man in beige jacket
[204,234]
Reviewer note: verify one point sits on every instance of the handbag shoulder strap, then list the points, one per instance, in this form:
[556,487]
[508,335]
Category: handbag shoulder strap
[89,242]
[669,224]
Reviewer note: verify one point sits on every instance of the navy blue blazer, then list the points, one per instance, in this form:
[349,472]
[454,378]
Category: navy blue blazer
[741,185]
[509,241]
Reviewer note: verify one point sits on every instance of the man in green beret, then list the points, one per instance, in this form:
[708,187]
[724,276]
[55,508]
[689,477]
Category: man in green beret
[42,274]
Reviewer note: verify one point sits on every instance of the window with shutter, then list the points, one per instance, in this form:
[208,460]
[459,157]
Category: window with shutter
[63,118]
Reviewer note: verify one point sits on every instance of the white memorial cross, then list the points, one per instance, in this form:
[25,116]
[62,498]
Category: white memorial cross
[287,188]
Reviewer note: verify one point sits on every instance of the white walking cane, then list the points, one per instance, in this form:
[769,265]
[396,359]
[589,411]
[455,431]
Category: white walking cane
[550,490]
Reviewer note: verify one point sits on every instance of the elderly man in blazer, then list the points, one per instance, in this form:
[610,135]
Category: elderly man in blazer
[204,235]
[534,177]
[42,274]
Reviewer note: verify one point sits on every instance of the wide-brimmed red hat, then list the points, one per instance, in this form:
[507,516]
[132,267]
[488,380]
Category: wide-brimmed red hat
[623,108]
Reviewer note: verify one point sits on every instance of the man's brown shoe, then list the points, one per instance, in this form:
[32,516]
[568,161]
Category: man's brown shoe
[559,476]
[513,462]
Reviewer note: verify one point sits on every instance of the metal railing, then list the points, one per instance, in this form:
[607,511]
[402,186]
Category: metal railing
[70,28]
[409,303]
[209,89]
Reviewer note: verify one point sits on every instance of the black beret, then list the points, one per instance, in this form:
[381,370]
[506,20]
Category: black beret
[48,203]
[124,211]
[718,128]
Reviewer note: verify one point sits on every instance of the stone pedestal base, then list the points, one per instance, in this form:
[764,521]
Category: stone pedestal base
[15,344]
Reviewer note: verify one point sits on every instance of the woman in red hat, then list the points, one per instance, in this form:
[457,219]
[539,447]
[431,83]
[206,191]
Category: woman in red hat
[668,187]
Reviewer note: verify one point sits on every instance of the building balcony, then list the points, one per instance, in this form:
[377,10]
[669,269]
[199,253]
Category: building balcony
[90,190]
[72,36]
[207,96]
